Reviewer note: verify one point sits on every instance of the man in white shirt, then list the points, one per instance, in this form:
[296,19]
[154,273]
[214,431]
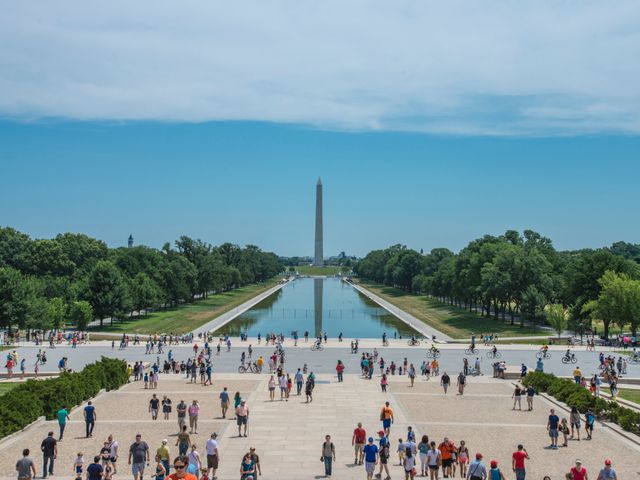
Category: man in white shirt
[113,452]
[212,456]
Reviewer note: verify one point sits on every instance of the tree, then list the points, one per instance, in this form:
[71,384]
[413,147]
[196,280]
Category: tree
[144,292]
[106,290]
[56,312]
[80,314]
[557,317]
[16,295]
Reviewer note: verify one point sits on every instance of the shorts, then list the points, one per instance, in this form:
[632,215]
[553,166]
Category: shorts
[369,467]
[446,462]
[212,461]
[386,423]
[576,424]
[383,459]
[224,404]
[181,421]
[137,468]
[113,459]
[241,420]
[193,419]
[520,473]
[553,433]
[359,447]
[433,467]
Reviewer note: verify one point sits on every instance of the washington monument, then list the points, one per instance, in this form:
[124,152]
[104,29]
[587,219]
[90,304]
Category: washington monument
[318,258]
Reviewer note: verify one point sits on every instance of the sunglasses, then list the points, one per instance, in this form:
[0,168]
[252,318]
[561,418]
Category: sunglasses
[178,467]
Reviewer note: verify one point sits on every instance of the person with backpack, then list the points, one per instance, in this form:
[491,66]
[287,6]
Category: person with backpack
[589,420]
[328,455]
[477,470]
[384,450]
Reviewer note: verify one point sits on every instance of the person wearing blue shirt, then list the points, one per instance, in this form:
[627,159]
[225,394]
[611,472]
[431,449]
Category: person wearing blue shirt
[370,458]
[89,418]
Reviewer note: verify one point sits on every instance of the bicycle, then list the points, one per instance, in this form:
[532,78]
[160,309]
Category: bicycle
[249,368]
[471,351]
[545,355]
[317,347]
[433,353]
[413,343]
[492,354]
[634,359]
[571,359]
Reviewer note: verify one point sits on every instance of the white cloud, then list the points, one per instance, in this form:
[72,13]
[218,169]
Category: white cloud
[461,67]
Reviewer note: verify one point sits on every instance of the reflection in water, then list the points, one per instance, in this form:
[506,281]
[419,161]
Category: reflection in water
[318,284]
[318,305]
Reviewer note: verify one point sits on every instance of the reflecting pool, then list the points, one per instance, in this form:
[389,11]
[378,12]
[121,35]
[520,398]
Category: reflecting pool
[318,305]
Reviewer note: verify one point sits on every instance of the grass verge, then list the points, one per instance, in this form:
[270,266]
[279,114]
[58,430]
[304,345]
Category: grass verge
[452,321]
[311,270]
[186,317]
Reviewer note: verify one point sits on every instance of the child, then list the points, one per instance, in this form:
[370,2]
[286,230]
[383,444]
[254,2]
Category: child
[495,473]
[383,382]
[108,473]
[146,380]
[203,474]
[564,428]
[77,466]
[400,452]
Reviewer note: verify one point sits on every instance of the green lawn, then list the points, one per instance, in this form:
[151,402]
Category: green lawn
[628,394]
[6,386]
[452,321]
[311,270]
[186,317]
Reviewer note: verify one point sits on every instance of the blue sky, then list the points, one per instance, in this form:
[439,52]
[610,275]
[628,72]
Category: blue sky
[431,123]
[249,182]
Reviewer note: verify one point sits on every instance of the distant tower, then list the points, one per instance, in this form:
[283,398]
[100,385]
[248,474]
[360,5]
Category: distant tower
[318,258]
[130,242]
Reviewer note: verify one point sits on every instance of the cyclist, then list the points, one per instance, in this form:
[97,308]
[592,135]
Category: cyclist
[494,350]
[317,343]
[433,349]
[544,349]
[568,355]
[413,340]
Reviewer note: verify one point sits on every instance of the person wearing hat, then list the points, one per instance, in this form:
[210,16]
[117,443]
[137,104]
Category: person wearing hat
[578,472]
[494,472]
[477,470]
[212,455]
[370,458]
[165,454]
[607,473]
[384,452]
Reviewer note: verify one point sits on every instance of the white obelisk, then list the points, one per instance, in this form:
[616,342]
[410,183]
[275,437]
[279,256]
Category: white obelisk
[318,259]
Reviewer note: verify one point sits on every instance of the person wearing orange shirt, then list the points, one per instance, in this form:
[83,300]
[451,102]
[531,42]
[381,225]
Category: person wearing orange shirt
[180,467]
[447,451]
[386,415]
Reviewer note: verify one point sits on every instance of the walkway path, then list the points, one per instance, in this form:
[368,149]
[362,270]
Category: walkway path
[426,330]
[288,435]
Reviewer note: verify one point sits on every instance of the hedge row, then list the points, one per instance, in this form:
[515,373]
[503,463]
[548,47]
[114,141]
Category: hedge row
[35,398]
[574,395]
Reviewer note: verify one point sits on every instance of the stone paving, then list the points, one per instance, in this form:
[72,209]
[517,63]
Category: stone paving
[288,434]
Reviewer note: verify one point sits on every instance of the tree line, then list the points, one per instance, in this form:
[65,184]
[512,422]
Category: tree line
[45,283]
[521,277]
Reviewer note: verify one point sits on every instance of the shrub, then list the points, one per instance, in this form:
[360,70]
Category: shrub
[574,395]
[32,399]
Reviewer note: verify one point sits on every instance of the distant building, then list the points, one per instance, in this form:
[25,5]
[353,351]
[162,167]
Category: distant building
[130,242]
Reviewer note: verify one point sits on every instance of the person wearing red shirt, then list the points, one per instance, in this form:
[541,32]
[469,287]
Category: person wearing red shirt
[358,440]
[579,472]
[517,462]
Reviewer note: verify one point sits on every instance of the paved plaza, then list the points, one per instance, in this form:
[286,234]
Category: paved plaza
[288,434]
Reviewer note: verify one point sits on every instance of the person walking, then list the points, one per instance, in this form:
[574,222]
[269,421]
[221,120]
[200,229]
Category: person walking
[181,409]
[494,471]
[340,370]
[299,379]
[63,416]
[445,380]
[384,452]
[434,460]
[530,394]
[461,383]
[423,448]
[358,443]
[463,458]
[212,456]
[386,415]
[95,470]
[412,375]
[409,464]
[194,410]
[49,448]
[161,469]
[90,418]
[166,410]
[589,420]
[371,453]
[477,470]
[113,451]
[183,442]
[607,473]
[247,468]
[328,455]
[154,406]
[224,402]
[138,457]
[255,458]
[165,455]
[574,420]
[242,417]
[553,423]
[517,398]
[447,453]
[578,472]
[195,463]
[25,467]
[518,462]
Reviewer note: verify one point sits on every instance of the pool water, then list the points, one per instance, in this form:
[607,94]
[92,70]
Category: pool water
[318,305]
